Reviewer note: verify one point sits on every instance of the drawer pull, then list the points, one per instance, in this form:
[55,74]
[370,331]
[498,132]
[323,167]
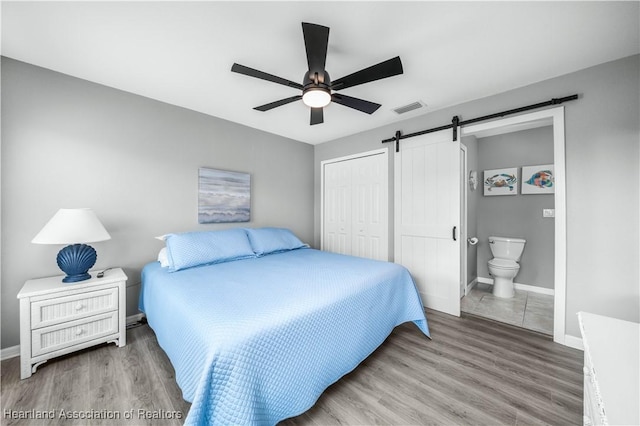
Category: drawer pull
[78,332]
[79,306]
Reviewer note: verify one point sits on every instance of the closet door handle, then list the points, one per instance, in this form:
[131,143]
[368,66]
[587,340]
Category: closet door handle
[453,233]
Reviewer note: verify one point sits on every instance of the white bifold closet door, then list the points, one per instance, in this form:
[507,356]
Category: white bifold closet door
[427,217]
[355,206]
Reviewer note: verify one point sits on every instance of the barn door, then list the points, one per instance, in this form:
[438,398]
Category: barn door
[427,217]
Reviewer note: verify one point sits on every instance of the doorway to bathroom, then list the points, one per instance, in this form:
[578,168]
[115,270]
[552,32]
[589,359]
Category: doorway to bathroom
[516,146]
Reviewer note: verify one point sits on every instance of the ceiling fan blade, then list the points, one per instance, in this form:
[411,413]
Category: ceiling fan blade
[355,103]
[267,107]
[379,71]
[316,39]
[241,69]
[317,116]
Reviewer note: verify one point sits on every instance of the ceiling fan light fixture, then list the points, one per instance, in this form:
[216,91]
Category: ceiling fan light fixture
[316,97]
[317,89]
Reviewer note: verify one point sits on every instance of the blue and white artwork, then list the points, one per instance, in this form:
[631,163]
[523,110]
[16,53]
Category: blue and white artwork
[538,179]
[223,196]
[501,181]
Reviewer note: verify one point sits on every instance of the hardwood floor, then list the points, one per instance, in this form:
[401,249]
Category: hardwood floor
[473,372]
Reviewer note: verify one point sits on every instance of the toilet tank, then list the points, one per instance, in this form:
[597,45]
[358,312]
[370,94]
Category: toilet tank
[507,247]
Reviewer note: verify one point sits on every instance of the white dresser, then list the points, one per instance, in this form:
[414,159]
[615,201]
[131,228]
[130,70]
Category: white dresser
[57,318]
[611,370]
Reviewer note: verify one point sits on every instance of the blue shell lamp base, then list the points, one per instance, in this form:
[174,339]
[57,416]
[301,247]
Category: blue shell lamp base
[75,261]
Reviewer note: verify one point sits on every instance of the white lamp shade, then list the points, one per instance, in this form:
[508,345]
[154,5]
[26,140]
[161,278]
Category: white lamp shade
[71,226]
[316,98]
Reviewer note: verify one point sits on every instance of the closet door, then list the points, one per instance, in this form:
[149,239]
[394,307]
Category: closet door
[369,203]
[337,207]
[355,205]
[427,217]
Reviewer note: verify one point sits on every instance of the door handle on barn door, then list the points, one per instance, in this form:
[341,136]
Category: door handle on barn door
[453,233]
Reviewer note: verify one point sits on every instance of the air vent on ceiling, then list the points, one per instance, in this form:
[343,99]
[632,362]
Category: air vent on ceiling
[410,107]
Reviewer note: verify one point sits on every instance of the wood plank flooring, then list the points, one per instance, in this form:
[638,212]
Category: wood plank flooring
[473,372]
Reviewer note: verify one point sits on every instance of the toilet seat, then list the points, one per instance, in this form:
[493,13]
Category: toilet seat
[503,264]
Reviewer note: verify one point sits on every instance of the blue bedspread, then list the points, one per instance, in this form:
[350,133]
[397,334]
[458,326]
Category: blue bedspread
[258,340]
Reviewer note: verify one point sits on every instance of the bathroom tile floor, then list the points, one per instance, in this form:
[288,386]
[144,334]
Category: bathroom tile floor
[533,311]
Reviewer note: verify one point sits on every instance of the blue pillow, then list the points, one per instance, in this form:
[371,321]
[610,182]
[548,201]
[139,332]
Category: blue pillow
[273,240]
[202,248]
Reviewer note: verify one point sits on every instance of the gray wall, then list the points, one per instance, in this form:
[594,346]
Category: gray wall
[602,130]
[517,215]
[70,143]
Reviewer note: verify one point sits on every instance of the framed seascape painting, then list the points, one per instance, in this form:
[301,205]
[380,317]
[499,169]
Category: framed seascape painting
[538,179]
[501,181]
[223,196]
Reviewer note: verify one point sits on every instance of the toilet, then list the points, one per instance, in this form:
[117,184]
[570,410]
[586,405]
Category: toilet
[504,265]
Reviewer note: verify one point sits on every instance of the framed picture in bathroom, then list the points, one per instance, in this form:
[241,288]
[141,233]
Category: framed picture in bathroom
[501,181]
[538,179]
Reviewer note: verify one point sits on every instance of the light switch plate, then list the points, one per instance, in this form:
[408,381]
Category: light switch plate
[548,213]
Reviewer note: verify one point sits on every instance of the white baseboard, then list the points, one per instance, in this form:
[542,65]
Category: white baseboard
[134,318]
[14,351]
[10,352]
[573,342]
[471,285]
[520,286]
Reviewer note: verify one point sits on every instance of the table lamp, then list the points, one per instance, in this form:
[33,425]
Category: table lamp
[75,227]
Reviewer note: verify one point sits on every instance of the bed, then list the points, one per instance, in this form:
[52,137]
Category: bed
[257,337]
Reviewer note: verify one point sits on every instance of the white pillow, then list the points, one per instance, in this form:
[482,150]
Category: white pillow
[163,258]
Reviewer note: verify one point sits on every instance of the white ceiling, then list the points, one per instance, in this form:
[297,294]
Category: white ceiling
[181,53]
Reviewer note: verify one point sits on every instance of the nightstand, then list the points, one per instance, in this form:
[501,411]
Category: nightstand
[58,318]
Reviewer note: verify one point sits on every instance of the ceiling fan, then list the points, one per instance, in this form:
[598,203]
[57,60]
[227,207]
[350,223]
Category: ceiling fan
[317,87]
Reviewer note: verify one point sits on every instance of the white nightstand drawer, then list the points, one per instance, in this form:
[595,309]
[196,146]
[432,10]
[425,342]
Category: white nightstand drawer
[61,309]
[57,318]
[71,333]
